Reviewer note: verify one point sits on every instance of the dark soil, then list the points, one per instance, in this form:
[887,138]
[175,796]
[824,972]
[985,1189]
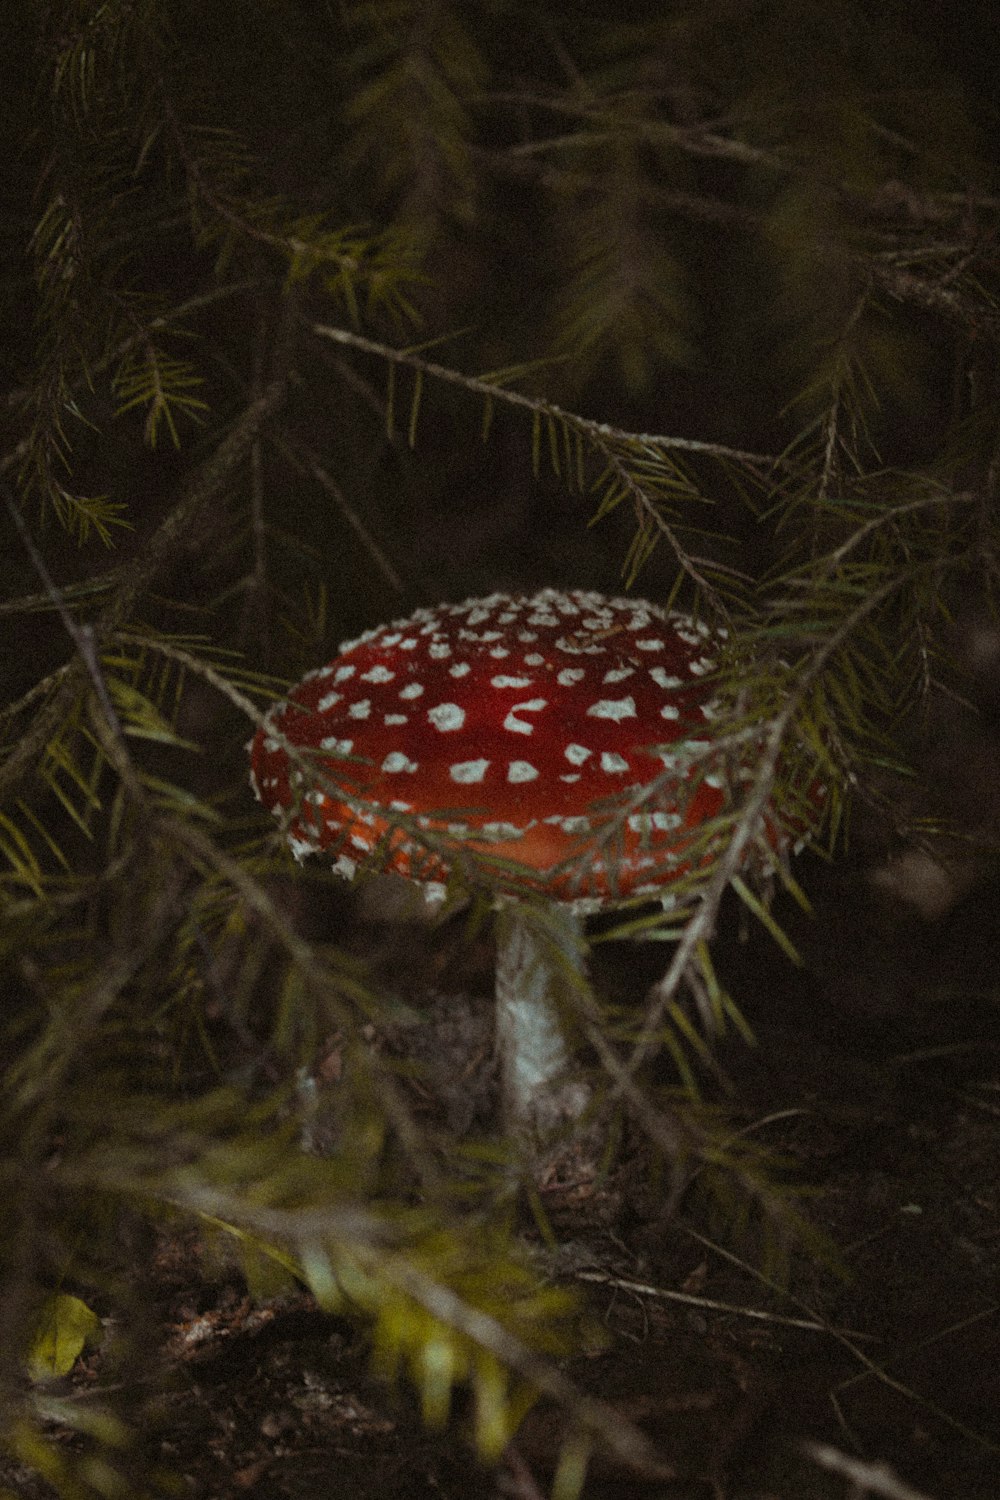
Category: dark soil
[876,1082]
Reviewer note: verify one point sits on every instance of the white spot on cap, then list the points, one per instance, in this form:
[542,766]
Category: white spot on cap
[342,673]
[667,821]
[377,674]
[577,754]
[518,726]
[446,717]
[460,669]
[670,711]
[701,666]
[500,832]
[569,675]
[534,659]
[412,690]
[477,616]
[360,842]
[650,888]
[397,806]
[360,710]
[613,764]
[521,770]
[393,638]
[569,825]
[300,847]
[409,644]
[339,747]
[458,830]
[664,679]
[327,701]
[392,720]
[613,708]
[510,682]
[573,647]
[499,652]
[468,771]
[651,643]
[618,674]
[396,761]
[437,650]
[527,636]
[570,779]
[645,822]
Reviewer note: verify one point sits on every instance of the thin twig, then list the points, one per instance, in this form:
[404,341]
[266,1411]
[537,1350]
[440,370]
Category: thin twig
[870,1368]
[305,461]
[642,1289]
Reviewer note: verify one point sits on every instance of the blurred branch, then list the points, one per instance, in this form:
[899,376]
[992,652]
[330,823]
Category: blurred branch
[864,1478]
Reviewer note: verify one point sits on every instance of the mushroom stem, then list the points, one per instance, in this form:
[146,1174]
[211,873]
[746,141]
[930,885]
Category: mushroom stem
[537,957]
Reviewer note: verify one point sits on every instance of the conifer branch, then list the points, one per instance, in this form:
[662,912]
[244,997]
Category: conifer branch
[732,859]
[638,190]
[168,541]
[976,314]
[762,463]
[637,465]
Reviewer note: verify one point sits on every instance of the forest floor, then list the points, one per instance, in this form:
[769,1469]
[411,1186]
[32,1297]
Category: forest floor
[875,1080]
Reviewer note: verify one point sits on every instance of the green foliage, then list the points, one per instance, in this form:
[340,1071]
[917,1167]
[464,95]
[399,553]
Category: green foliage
[729,278]
[164,386]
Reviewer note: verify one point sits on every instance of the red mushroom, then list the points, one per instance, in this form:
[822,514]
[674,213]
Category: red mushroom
[523,732]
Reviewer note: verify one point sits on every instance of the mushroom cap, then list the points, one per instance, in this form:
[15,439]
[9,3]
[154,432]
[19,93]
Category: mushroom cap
[513,729]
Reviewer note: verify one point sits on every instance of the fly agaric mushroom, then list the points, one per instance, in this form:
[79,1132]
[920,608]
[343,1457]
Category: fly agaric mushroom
[509,730]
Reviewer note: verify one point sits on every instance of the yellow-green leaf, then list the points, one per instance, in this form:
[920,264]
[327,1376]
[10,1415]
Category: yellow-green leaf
[67,1324]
